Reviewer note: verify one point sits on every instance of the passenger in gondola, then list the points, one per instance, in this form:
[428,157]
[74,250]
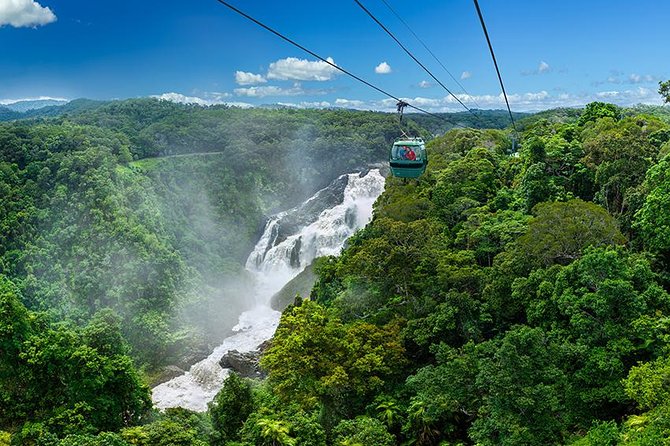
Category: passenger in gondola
[402,152]
[410,155]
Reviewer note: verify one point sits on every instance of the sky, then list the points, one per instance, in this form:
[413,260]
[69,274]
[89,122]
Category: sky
[550,53]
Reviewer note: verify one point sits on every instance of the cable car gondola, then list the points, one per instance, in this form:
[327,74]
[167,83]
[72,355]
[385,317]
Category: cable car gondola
[408,158]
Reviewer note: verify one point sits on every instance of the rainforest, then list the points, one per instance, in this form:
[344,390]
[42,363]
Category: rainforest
[514,294]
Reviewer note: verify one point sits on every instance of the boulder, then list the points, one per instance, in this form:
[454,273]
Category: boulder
[166,374]
[246,364]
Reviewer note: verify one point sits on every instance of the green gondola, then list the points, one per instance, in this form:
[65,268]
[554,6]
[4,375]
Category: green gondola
[408,158]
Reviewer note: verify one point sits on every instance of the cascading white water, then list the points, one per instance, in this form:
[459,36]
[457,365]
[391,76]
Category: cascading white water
[274,261]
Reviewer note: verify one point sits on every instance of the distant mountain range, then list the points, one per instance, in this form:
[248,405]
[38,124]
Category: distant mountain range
[24,106]
[45,108]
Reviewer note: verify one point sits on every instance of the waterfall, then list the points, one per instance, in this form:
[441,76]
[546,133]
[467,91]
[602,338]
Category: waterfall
[291,240]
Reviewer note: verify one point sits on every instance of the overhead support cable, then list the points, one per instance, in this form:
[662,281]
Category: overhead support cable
[412,56]
[495,62]
[348,73]
[431,53]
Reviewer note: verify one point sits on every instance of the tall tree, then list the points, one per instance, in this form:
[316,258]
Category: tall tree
[664,90]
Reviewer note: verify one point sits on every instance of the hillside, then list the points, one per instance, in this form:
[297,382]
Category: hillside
[92,218]
[502,299]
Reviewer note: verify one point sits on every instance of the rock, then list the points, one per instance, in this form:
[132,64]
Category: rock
[246,364]
[166,374]
[264,346]
[309,211]
[192,356]
[300,285]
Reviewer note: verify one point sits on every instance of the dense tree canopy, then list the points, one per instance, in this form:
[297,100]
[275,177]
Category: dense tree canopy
[504,298]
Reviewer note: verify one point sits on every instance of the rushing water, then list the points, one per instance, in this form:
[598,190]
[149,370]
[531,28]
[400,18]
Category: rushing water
[290,242]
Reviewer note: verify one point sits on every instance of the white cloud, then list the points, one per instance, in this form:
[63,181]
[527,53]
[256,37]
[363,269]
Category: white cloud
[425,84]
[209,99]
[466,75]
[632,78]
[293,68]
[244,78]
[182,99]
[638,79]
[607,94]
[639,95]
[519,102]
[24,13]
[352,103]
[383,68]
[35,98]
[320,104]
[216,96]
[272,90]
[542,68]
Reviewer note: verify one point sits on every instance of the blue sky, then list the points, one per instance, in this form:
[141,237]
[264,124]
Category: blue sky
[551,54]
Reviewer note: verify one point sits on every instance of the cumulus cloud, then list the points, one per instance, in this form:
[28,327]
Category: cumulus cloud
[425,84]
[383,68]
[272,90]
[352,103]
[617,79]
[293,68]
[466,75]
[543,67]
[519,102]
[305,104]
[244,78]
[182,99]
[209,99]
[24,13]
[639,95]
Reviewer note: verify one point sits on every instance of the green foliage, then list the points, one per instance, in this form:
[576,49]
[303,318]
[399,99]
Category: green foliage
[653,219]
[314,358]
[230,409]
[488,234]
[103,439]
[620,153]
[561,231]
[161,241]
[606,433]
[519,329]
[162,433]
[597,110]
[647,383]
[455,317]
[523,390]
[173,427]
[664,90]
[464,184]
[268,431]
[64,379]
[362,431]
[405,204]
[281,423]
[389,255]
[598,306]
